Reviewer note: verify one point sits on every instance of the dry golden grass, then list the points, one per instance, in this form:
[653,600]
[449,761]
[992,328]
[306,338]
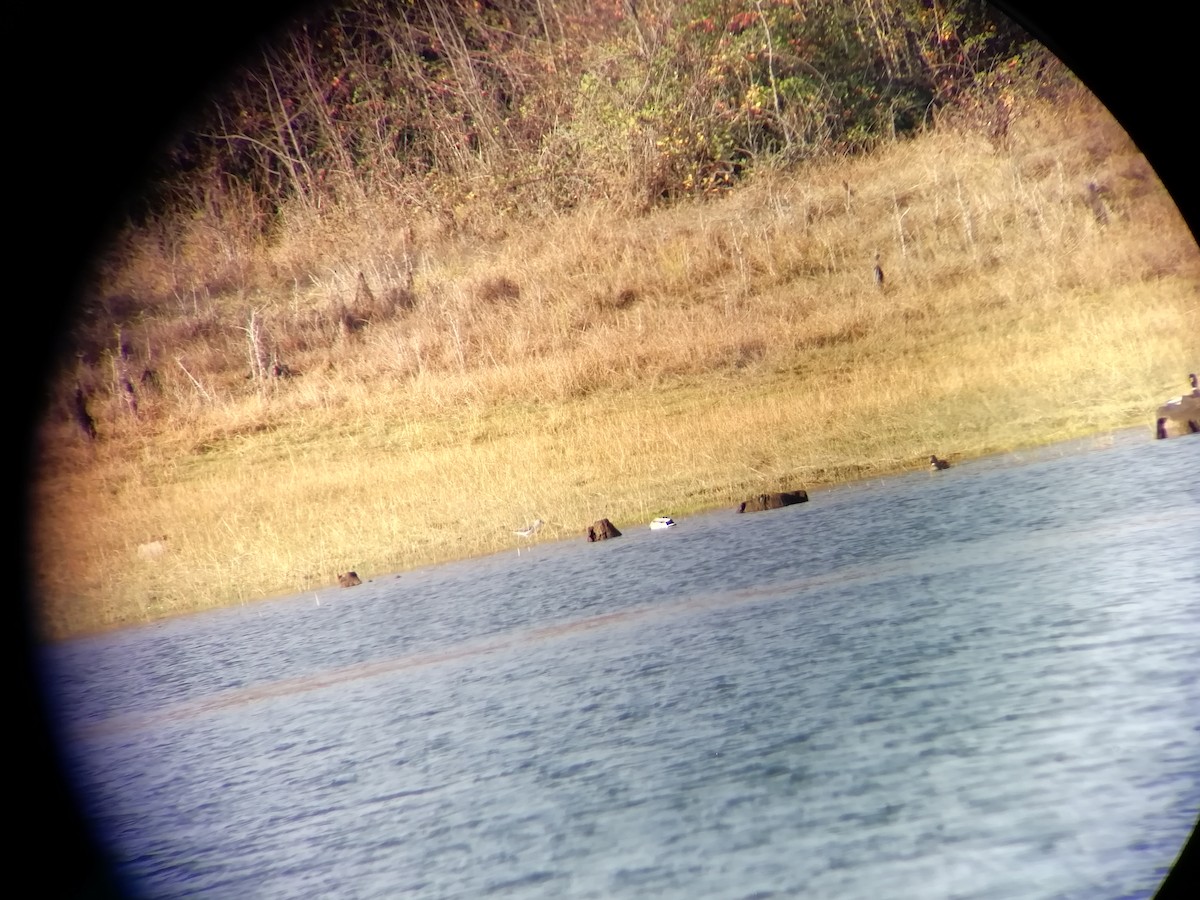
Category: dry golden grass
[595,365]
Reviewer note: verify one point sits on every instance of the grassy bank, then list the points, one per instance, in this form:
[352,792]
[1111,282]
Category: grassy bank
[606,364]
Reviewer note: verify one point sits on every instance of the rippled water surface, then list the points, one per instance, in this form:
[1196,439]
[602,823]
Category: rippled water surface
[983,683]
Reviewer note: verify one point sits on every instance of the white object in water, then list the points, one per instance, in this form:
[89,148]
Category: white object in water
[662,522]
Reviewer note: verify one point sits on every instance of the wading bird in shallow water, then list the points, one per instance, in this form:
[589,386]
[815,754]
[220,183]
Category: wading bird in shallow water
[531,529]
[936,464]
[528,531]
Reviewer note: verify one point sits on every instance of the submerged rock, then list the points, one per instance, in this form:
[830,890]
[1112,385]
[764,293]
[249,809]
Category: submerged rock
[772,501]
[602,531]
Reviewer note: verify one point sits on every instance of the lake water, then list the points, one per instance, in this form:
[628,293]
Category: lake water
[983,683]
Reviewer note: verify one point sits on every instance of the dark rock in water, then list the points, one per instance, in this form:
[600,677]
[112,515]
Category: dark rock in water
[1174,427]
[1177,424]
[1180,415]
[349,579]
[602,531]
[773,501]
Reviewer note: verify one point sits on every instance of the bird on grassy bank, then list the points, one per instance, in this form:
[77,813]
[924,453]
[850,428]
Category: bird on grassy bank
[936,464]
[877,272]
[662,522]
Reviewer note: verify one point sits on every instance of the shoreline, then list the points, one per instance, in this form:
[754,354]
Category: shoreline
[1097,441]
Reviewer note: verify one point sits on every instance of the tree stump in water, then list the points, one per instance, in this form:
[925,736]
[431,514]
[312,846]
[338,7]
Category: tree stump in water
[602,531]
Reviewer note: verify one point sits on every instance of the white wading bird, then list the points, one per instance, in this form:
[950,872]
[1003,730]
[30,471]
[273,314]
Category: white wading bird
[528,531]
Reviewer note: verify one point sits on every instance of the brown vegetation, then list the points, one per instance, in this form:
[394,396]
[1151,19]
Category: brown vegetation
[597,355]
